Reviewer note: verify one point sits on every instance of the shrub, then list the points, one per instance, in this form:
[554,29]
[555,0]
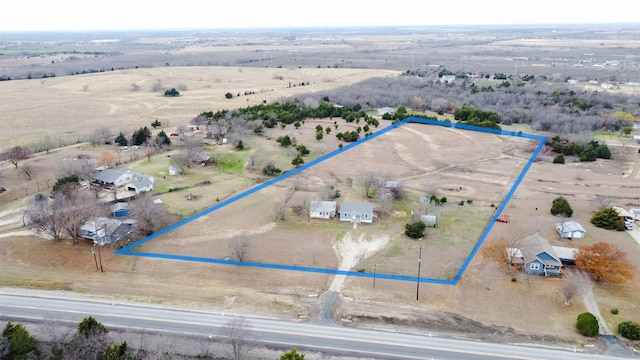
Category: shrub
[614,311]
[587,324]
[630,330]
[559,159]
[271,170]
[415,230]
[171,92]
[606,218]
[228,95]
[560,206]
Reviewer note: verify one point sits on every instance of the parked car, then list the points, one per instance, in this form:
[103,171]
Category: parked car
[628,225]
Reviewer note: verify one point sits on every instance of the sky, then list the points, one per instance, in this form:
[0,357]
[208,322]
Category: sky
[83,15]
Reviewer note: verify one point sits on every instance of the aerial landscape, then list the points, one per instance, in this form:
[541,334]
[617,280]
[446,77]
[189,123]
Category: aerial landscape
[451,191]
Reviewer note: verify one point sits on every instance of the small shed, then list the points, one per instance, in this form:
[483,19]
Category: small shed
[429,220]
[119,209]
[174,170]
[322,209]
[570,230]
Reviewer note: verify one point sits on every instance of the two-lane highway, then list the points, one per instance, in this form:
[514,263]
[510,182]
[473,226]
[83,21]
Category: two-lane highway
[324,338]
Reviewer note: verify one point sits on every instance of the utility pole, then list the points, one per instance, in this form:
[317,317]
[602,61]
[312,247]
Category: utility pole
[374,275]
[100,257]
[418,285]
[93,251]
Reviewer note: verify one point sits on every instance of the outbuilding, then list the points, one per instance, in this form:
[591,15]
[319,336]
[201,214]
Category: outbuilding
[570,230]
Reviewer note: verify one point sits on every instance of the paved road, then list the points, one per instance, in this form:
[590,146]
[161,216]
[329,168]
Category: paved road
[327,339]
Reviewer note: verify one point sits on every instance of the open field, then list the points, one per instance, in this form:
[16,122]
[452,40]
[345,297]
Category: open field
[70,109]
[413,154]
[459,165]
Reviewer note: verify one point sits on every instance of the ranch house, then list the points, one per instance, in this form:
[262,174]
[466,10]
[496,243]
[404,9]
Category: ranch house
[358,212]
[124,177]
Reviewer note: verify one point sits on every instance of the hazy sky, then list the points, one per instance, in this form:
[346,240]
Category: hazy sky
[18,15]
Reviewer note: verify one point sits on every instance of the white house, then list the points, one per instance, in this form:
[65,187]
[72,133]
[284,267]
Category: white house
[448,79]
[123,177]
[386,110]
[570,230]
[322,209]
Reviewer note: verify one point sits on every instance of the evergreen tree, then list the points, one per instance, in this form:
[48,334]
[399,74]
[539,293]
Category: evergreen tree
[121,140]
[560,206]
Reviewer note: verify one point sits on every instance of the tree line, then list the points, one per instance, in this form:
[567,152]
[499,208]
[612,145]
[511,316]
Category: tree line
[91,340]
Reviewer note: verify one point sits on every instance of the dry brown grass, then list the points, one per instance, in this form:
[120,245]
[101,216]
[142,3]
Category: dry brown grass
[464,165]
[72,107]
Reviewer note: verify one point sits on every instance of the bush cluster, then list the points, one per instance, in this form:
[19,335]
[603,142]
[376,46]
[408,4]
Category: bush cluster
[587,324]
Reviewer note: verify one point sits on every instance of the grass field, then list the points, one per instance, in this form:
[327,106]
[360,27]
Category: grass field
[478,167]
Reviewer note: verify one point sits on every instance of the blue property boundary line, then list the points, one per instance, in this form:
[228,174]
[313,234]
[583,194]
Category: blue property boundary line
[129,249]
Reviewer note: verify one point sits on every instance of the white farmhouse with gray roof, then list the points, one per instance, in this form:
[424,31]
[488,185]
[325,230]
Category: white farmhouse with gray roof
[360,212]
[123,177]
[322,209]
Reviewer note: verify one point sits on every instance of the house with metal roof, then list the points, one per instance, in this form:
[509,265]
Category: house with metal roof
[570,230]
[356,212]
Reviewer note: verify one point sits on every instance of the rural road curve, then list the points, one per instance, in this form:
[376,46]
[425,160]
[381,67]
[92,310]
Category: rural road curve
[34,306]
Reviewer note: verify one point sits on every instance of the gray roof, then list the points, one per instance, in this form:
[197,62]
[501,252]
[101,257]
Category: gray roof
[141,181]
[362,208]
[535,244]
[327,206]
[570,226]
[109,175]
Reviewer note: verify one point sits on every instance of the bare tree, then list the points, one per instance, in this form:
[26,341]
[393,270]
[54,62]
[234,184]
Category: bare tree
[101,135]
[280,211]
[45,144]
[181,160]
[370,182]
[45,216]
[568,289]
[26,170]
[602,201]
[151,216]
[16,154]
[239,246]
[77,209]
[236,338]
[82,168]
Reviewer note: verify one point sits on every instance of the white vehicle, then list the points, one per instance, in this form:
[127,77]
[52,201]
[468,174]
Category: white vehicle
[628,225]
[636,213]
